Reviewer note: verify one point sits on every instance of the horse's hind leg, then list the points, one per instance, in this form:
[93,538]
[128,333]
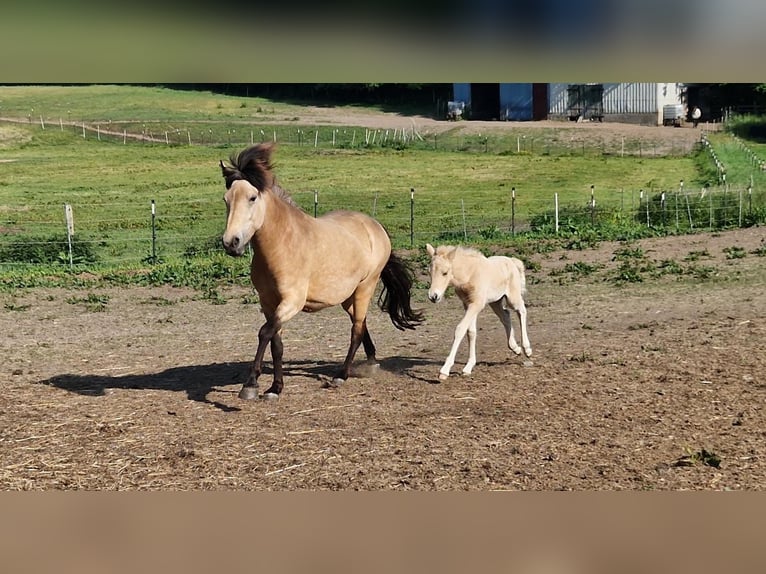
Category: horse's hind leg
[356,307]
[471,346]
[517,303]
[505,318]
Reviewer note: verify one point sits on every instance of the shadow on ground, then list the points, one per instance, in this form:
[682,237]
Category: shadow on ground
[197,381]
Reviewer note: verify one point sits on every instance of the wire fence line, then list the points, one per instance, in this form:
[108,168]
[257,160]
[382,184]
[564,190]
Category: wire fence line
[562,141]
[154,232]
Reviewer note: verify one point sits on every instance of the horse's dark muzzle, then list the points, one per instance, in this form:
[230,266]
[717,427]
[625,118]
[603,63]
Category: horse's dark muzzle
[233,249]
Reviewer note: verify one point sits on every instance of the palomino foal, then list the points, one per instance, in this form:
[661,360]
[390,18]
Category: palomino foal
[478,280]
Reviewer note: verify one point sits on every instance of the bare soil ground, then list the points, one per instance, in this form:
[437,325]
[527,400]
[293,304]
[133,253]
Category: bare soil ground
[653,385]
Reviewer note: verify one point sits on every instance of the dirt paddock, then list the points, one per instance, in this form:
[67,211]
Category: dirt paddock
[652,385]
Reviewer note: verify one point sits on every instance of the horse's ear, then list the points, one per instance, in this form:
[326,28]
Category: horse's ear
[227,171]
[430,249]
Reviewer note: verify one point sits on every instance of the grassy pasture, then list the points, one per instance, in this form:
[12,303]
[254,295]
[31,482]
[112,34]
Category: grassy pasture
[110,184]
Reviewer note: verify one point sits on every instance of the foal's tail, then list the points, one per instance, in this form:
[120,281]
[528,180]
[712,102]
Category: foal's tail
[394,299]
[522,275]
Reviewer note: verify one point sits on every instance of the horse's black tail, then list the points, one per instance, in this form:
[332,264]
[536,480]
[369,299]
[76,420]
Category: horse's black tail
[394,299]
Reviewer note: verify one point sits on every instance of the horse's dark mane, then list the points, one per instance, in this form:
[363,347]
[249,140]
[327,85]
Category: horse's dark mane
[254,165]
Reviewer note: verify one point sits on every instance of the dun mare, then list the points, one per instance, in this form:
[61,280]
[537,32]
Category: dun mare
[302,263]
[478,280]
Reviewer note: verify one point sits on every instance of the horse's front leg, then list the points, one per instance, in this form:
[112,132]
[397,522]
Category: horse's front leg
[460,331]
[266,336]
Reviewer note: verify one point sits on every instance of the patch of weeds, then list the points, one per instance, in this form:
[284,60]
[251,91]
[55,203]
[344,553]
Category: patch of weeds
[581,269]
[212,294]
[760,251]
[735,252]
[628,272]
[92,302]
[628,252]
[160,301]
[702,456]
[14,307]
[583,357]
[577,270]
[701,271]
[697,255]
[250,299]
[669,266]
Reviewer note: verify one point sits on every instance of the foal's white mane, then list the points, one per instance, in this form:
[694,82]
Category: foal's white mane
[466,251]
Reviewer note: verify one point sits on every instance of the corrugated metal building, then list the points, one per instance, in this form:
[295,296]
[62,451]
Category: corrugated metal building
[638,102]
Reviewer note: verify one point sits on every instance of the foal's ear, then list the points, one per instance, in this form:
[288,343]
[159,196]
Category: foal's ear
[430,249]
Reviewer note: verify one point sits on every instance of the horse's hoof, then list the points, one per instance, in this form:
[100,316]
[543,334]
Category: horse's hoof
[528,363]
[333,384]
[248,393]
[443,377]
[269,397]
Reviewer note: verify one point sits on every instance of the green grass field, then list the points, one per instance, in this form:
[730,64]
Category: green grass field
[110,182]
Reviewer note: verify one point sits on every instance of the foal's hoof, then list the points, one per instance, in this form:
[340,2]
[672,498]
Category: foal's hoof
[248,393]
[443,377]
[269,397]
[528,363]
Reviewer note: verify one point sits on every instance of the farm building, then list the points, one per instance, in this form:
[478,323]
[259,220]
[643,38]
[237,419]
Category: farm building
[637,102]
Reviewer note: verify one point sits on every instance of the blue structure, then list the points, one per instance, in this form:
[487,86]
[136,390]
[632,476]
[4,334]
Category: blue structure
[497,101]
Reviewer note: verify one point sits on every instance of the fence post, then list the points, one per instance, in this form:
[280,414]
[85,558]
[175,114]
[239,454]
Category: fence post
[556,210]
[740,207]
[316,202]
[663,206]
[154,233]
[592,206]
[513,211]
[465,228]
[69,230]
[412,217]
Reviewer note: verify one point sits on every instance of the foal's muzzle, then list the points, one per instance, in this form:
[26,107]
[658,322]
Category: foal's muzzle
[434,297]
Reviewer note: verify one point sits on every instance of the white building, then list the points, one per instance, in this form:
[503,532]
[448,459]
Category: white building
[636,102]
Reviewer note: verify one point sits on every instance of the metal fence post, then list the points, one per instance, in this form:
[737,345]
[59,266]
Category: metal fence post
[412,217]
[154,233]
[513,211]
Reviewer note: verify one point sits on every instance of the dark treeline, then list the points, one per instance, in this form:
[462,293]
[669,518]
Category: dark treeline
[422,96]
[714,99]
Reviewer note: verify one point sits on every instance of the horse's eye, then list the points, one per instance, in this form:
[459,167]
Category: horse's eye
[444,273]
[252,199]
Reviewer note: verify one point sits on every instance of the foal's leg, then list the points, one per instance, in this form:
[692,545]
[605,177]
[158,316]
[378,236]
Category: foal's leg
[505,317]
[516,301]
[471,312]
[471,346]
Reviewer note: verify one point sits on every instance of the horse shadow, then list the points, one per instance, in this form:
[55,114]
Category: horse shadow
[198,381]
